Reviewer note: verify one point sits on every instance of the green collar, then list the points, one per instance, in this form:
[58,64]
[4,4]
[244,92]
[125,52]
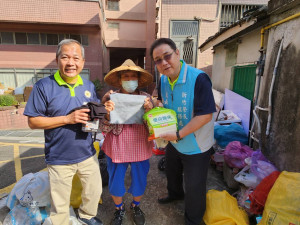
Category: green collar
[61,82]
[172,84]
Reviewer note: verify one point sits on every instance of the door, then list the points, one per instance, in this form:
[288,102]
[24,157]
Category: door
[244,80]
[185,35]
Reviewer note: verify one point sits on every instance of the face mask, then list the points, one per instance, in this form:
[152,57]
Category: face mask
[130,85]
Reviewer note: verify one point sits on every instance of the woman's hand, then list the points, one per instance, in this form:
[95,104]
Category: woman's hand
[106,97]
[159,103]
[109,106]
[148,104]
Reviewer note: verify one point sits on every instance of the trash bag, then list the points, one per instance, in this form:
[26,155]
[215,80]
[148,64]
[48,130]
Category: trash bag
[103,168]
[283,202]
[259,196]
[235,154]
[20,215]
[260,166]
[262,169]
[31,190]
[222,209]
[226,134]
[162,164]
[246,177]
[72,221]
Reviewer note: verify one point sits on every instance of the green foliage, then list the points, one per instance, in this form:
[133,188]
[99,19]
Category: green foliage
[8,100]
[99,85]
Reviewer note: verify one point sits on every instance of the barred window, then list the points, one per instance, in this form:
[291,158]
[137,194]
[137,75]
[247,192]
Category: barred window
[232,13]
[113,5]
[33,38]
[23,38]
[113,25]
[7,38]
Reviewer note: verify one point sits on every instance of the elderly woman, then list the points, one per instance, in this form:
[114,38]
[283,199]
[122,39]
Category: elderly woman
[127,144]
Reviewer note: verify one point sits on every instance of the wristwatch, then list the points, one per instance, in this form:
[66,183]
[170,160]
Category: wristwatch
[178,136]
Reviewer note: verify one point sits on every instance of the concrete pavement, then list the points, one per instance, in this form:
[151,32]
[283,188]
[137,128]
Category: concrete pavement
[21,152]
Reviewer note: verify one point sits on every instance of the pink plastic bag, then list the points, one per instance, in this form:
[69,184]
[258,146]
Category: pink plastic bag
[236,153]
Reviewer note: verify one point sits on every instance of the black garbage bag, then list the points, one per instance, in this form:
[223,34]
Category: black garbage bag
[103,168]
[162,164]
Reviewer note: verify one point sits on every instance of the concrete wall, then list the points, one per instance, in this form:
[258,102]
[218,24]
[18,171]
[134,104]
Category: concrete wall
[282,146]
[247,53]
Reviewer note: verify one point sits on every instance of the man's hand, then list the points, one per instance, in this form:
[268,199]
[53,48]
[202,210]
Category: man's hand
[78,116]
[148,104]
[169,136]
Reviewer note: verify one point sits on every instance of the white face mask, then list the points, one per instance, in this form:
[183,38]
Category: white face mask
[130,85]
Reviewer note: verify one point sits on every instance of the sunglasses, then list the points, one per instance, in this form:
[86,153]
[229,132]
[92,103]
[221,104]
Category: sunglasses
[165,57]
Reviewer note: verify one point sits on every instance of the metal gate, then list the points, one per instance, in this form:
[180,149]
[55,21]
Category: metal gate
[244,80]
[185,35]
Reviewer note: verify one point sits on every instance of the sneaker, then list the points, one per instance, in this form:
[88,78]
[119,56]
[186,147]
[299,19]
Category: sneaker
[138,216]
[92,221]
[118,217]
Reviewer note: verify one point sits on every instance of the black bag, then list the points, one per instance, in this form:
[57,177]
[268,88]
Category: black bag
[103,168]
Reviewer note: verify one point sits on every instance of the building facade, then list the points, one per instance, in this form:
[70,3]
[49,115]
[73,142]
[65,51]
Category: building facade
[189,23]
[110,31]
[258,58]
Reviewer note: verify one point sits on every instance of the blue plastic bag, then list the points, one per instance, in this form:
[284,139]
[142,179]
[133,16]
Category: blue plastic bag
[226,134]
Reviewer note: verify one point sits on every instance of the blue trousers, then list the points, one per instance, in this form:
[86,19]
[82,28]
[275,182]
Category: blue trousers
[117,171]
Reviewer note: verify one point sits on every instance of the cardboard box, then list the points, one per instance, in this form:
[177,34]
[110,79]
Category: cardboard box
[20,97]
[27,91]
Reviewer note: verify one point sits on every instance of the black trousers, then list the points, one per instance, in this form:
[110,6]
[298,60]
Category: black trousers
[194,167]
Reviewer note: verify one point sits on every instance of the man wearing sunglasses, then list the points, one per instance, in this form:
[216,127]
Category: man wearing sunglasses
[188,91]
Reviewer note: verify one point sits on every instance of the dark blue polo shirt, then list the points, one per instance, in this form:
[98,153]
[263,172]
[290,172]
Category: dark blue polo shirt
[51,97]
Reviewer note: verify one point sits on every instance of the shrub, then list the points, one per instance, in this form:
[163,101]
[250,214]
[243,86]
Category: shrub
[8,100]
[98,84]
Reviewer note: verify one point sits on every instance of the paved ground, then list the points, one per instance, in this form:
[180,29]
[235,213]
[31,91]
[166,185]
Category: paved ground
[21,152]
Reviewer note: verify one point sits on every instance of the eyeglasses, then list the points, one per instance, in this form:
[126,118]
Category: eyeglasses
[165,57]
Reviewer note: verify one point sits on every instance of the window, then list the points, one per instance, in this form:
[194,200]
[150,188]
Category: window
[21,38]
[33,38]
[76,37]
[61,37]
[7,37]
[232,13]
[43,39]
[113,25]
[52,39]
[113,5]
[185,35]
[84,40]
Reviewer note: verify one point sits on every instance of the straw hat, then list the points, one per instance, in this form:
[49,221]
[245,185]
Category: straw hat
[112,79]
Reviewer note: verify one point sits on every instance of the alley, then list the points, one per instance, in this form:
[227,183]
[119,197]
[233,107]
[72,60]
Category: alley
[21,155]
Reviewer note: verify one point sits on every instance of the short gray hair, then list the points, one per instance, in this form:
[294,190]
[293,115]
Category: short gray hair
[67,42]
